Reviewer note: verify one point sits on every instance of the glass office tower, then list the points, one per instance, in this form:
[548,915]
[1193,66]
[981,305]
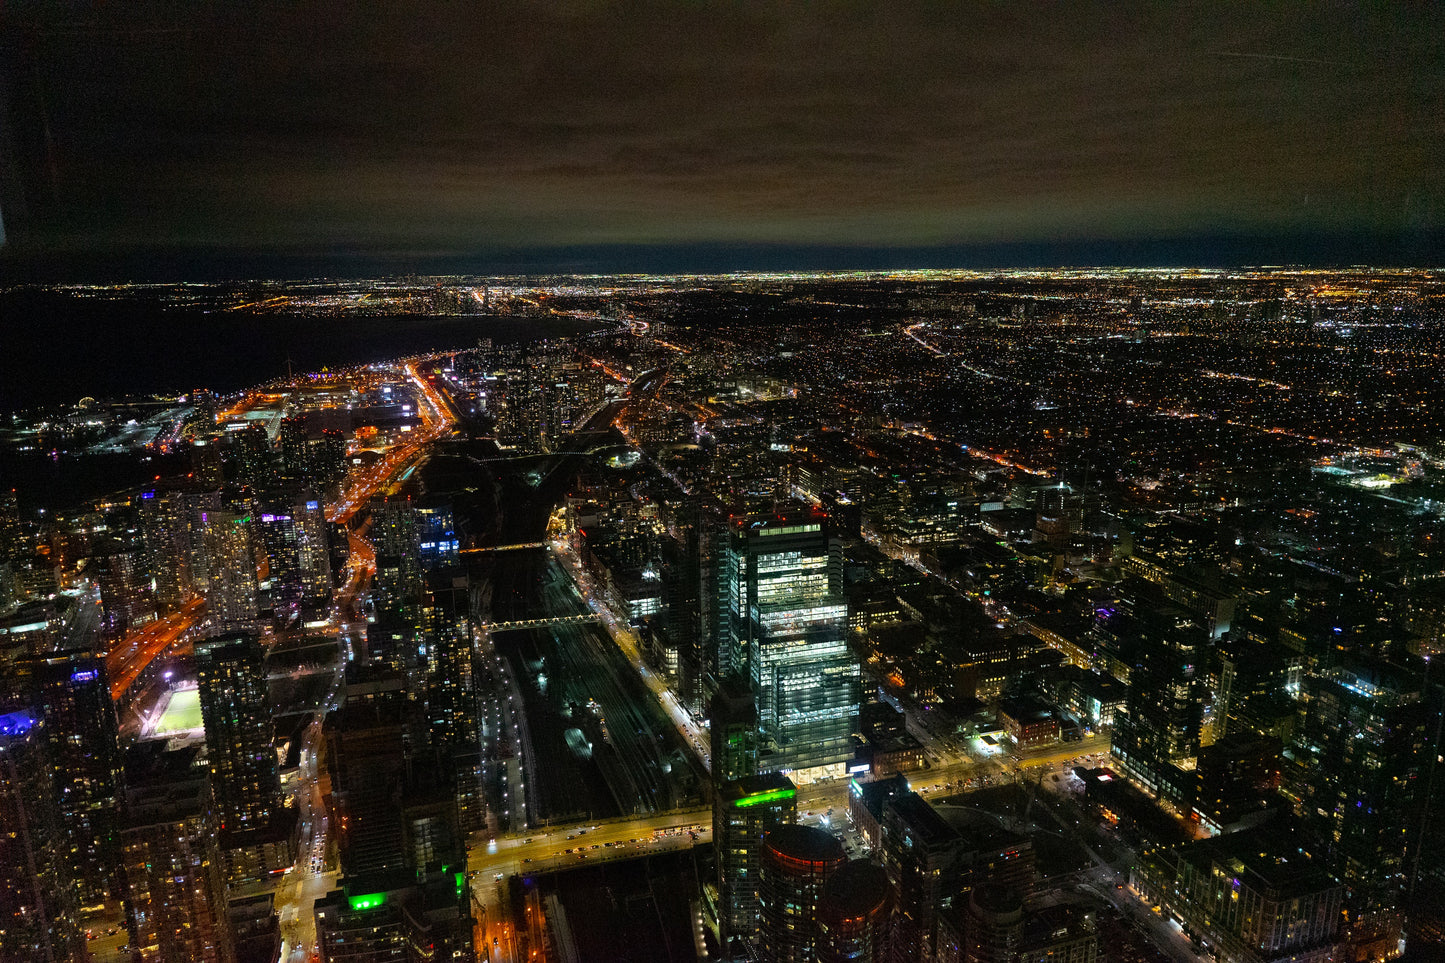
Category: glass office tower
[786,623]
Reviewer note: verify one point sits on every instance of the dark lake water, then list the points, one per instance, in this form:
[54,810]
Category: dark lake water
[58,349]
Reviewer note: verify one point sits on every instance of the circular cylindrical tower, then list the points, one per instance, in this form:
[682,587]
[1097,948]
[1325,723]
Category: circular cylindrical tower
[853,915]
[798,861]
[995,922]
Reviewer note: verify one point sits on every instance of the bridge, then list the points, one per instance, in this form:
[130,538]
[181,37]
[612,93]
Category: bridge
[582,619]
[515,547]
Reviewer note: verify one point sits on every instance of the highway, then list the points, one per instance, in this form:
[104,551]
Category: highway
[489,865]
[437,420]
[132,655]
[315,872]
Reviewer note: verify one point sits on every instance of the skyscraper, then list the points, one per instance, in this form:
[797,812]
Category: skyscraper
[451,695]
[38,901]
[1363,777]
[295,464]
[733,730]
[174,894]
[84,757]
[253,454]
[125,596]
[786,620]
[166,530]
[853,915]
[744,812]
[798,862]
[231,601]
[245,783]
[293,533]
[1157,734]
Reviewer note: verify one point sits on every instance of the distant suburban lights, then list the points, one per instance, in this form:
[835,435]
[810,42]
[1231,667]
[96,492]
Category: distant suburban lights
[772,795]
[367,902]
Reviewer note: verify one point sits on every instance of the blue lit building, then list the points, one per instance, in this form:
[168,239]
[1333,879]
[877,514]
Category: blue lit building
[38,904]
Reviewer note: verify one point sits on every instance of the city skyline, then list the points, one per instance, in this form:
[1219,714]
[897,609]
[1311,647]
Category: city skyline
[565,482]
[929,617]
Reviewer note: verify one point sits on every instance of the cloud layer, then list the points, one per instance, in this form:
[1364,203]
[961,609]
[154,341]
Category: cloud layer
[454,128]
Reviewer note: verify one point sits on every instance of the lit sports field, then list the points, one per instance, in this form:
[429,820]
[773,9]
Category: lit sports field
[183,713]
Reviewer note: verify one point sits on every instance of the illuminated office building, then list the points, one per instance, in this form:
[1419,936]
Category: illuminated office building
[733,730]
[782,602]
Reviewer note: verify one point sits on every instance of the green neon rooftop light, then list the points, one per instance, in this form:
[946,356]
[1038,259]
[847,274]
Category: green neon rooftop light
[368,902]
[771,795]
[461,883]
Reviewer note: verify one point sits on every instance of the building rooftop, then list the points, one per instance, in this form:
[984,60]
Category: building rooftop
[805,843]
[1265,858]
[876,793]
[922,820]
[858,889]
[755,790]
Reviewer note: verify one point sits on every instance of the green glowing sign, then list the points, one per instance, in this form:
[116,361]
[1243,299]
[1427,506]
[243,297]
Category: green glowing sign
[367,902]
[758,798]
[461,883]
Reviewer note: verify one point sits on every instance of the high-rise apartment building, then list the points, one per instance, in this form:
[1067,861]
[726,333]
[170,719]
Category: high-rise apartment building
[293,532]
[166,530]
[83,752]
[1157,733]
[38,899]
[252,449]
[798,862]
[1250,895]
[991,925]
[1362,779]
[245,782]
[174,894]
[295,463]
[453,714]
[853,915]
[920,854]
[231,596]
[744,812]
[786,619]
[125,592]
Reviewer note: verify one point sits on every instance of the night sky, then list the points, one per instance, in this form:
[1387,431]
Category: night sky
[628,135]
